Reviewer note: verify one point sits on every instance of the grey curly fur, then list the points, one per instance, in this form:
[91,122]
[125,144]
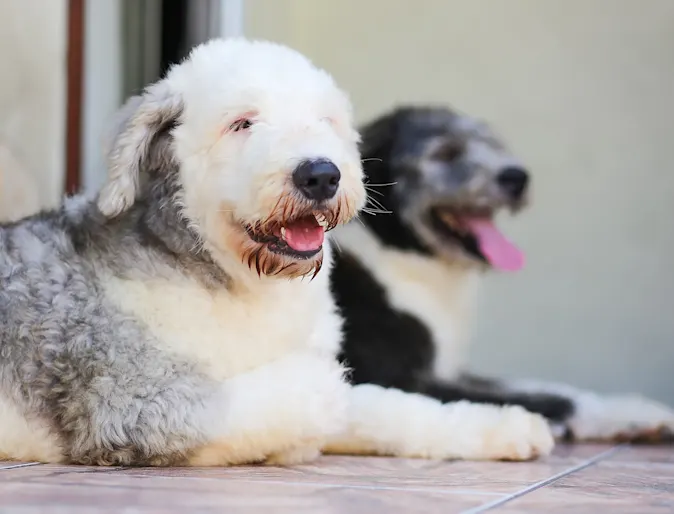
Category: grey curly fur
[69,356]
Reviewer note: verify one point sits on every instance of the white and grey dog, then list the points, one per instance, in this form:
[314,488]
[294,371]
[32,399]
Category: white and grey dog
[170,321]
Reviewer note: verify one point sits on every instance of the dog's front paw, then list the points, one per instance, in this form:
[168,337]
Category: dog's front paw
[490,432]
[628,418]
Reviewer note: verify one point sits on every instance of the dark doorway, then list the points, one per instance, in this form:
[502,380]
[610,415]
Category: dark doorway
[174,47]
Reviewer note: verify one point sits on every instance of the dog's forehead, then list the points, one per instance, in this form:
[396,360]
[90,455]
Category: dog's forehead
[443,122]
[255,72]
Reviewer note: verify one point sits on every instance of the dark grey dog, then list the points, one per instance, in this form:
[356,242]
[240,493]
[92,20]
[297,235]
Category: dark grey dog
[406,278]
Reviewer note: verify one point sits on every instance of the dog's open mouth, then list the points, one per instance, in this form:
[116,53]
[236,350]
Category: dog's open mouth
[301,238]
[478,236]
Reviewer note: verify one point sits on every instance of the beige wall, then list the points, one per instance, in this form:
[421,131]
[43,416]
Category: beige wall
[584,91]
[33,88]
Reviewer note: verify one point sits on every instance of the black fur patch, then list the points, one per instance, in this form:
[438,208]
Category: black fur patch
[383,346]
[390,348]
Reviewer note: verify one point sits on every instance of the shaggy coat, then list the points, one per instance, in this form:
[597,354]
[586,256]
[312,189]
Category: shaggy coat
[167,322]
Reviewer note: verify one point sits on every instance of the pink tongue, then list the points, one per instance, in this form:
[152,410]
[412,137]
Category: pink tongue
[304,235]
[500,252]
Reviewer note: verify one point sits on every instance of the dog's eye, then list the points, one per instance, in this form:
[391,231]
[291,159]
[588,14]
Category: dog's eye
[448,152]
[241,124]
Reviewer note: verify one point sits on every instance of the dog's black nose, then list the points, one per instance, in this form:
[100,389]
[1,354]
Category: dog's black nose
[513,181]
[318,179]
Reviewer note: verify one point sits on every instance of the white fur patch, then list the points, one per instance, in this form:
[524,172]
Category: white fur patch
[443,297]
[282,413]
[230,333]
[25,439]
[391,422]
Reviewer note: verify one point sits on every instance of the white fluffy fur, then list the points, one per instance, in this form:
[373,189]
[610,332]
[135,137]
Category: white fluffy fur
[26,439]
[235,333]
[390,422]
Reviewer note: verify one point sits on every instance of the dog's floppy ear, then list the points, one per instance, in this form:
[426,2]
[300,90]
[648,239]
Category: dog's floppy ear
[377,137]
[134,145]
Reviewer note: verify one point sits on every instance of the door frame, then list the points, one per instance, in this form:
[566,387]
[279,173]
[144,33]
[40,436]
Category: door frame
[110,56]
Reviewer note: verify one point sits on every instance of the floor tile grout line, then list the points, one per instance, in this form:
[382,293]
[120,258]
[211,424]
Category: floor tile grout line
[22,465]
[444,492]
[448,492]
[537,485]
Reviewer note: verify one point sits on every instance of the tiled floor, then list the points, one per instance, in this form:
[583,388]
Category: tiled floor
[583,479]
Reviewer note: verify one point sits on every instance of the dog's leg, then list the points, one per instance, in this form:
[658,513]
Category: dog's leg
[281,413]
[555,407]
[601,418]
[391,422]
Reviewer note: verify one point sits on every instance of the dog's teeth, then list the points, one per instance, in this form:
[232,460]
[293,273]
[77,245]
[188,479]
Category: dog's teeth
[283,232]
[452,222]
[321,219]
[449,219]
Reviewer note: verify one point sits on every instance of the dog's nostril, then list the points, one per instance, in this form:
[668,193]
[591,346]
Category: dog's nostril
[513,180]
[318,179]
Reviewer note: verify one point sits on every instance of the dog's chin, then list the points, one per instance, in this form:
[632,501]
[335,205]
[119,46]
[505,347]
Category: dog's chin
[289,247]
[266,259]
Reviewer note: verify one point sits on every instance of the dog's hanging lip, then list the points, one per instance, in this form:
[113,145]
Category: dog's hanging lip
[496,248]
[304,234]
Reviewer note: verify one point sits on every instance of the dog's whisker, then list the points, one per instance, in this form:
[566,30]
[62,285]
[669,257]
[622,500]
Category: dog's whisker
[385,184]
[375,211]
[375,203]
[374,200]
[374,191]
